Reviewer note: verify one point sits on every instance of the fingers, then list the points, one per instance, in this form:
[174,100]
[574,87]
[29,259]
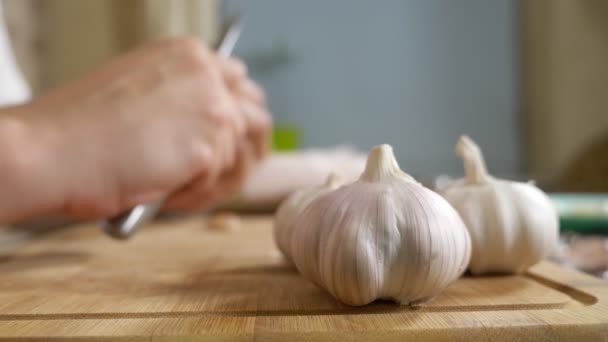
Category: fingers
[233,69]
[234,178]
[194,196]
[200,194]
[252,91]
[243,105]
[252,102]
[259,125]
[236,78]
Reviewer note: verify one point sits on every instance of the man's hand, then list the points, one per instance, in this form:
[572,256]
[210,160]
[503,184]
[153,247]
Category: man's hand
[170,119]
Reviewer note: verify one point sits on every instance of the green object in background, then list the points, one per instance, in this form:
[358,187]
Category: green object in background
[582,213]
[285,137]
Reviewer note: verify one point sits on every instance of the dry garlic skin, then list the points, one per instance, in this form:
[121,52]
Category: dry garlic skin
[293,205]
[384,236]
[513,225]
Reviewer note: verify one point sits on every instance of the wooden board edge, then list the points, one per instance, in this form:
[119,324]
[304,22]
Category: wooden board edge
[587,322]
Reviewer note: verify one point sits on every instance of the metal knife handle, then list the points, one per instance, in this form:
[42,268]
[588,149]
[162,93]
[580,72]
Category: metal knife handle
[126,224]
[123,226]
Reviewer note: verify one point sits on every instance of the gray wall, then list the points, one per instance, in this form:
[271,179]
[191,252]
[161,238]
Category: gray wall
[415,74]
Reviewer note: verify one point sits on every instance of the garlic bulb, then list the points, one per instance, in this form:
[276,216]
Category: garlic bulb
[513,225]
[384,236]
[293,205]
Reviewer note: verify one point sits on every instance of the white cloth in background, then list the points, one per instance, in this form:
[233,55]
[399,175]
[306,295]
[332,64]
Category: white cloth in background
[13,88]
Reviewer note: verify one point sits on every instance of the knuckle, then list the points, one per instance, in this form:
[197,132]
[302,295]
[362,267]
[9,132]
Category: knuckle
[202,156]
[253,92]
[188,44]
[239,68]
[240,126]
[266,121]
[198,66]
[257,91]
[220,113]
[195,57]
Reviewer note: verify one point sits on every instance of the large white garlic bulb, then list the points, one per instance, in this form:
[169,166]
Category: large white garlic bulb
[384,236]
[513,225]
[293,205]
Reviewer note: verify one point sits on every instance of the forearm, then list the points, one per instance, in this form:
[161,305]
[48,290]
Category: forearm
[28,175]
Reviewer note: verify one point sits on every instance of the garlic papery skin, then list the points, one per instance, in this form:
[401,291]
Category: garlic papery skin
[513,225]
[384,236]
[293,205]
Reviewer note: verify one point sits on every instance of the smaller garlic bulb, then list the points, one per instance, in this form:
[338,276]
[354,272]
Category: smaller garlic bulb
[293,205]
[513,225]
[384,236]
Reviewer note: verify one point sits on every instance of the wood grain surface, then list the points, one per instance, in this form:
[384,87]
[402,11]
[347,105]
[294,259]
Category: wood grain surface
[178,280]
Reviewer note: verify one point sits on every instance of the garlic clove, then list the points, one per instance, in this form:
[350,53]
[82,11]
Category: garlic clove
[513,225]
[384,236]
[224,221]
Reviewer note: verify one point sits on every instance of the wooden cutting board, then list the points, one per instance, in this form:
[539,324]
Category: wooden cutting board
[179,280]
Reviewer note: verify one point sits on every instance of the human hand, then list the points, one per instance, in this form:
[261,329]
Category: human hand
[170,119]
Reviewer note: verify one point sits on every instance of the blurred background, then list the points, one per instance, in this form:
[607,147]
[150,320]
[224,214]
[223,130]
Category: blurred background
[528,80]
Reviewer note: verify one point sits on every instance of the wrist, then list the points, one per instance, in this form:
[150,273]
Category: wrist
[28,177]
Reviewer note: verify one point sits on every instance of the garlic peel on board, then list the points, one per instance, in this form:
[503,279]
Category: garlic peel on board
[291,207]
[384,236]
[513,225]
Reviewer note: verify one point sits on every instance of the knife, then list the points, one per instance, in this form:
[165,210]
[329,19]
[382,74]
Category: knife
[124,225]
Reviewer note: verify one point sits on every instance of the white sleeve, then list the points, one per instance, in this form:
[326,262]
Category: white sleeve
[13,88]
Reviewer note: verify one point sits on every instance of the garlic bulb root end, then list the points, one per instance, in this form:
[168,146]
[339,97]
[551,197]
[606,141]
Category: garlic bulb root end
[382,164]
[474,164]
